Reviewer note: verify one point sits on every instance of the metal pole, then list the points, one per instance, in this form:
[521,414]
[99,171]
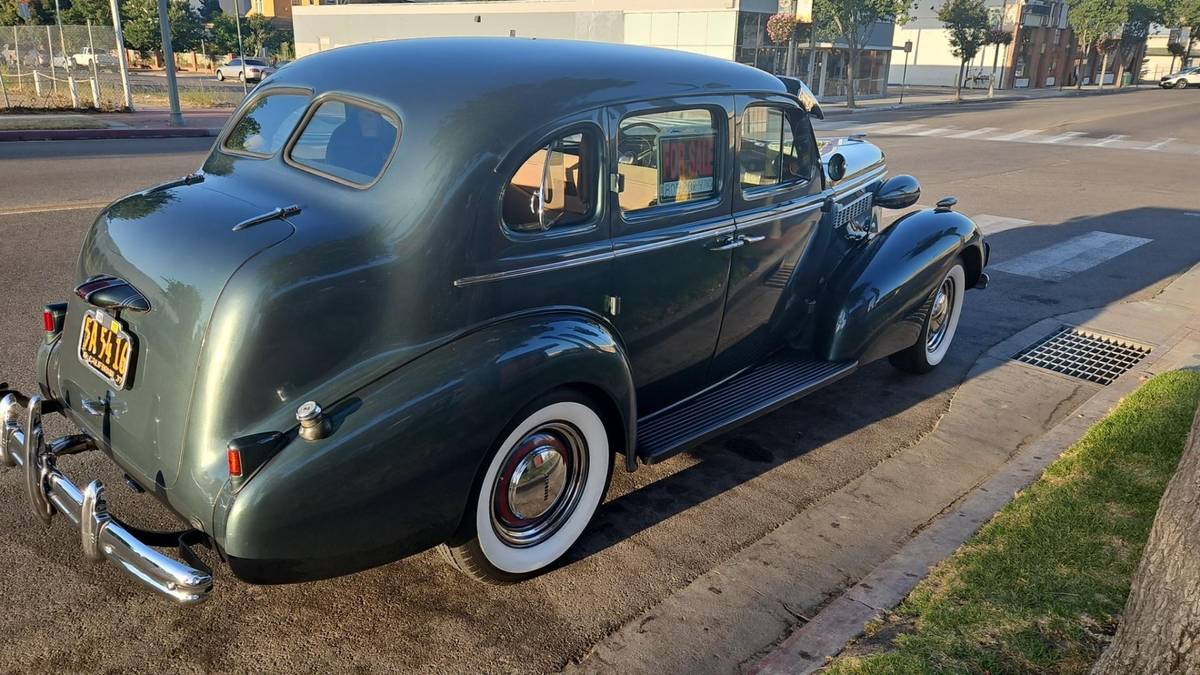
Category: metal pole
[122,57]
[92,49]
[237,17]
[50,48]
[4,89]
[903,78]
[812,50]
[164,25]
[17,48]
[62,43]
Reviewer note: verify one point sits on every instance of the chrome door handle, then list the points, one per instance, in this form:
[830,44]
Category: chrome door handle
[728,243]
[752,239]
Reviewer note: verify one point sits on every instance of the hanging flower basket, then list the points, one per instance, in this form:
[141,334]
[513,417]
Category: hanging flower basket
[781,27]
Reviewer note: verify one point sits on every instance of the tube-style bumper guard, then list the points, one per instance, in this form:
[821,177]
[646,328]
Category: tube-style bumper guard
[102,536]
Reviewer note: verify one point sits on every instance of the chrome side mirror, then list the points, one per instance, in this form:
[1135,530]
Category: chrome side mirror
[898,192]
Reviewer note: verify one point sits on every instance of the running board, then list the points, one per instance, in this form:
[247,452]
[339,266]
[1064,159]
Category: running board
[749,394]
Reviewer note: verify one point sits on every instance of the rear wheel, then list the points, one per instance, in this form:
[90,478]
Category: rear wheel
[940,325]
[1181,84]
[544,482]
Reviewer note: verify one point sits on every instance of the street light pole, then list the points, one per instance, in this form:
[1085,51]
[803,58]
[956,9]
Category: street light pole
[237,18]
[122,57]
[164,25]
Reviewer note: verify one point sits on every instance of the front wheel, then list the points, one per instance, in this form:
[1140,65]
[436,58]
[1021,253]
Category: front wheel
[941,322]
[544,482]
[1181,84]
[220,76]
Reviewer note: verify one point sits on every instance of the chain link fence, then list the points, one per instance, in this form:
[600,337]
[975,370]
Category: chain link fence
[78,67]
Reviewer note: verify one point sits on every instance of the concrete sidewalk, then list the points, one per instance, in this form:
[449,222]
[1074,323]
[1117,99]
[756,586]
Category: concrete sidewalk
[924,95]
[144,123]
[794,598]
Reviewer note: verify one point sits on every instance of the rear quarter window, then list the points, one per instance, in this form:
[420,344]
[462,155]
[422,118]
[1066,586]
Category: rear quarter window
[346,141]
[265,125]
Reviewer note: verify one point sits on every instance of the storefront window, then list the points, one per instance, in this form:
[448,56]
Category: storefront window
[754,46]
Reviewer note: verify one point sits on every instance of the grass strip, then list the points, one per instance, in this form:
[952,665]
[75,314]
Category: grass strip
[1039,588]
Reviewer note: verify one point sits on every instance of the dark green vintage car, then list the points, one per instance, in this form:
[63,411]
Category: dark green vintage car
[412,306]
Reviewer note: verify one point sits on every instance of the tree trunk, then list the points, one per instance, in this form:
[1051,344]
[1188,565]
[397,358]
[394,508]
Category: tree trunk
[1081,62]
[851,62]
[1103,69]
[962,64]
[1160,628]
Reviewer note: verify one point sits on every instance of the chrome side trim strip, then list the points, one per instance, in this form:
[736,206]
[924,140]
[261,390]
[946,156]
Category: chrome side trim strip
[857,183]
[667,243]
[794,210]
[534,269]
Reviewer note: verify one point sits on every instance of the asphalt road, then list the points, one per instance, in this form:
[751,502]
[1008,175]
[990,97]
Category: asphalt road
[663,525]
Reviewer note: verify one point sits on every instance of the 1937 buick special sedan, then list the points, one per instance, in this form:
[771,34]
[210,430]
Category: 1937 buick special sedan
[418,306]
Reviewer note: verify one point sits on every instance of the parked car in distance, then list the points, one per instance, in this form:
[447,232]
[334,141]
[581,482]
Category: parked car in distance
[103,60]
[404,308]
[255,70]
[62,61]
[1182,79]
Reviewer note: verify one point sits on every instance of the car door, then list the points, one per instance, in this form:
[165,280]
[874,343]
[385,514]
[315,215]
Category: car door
[777,210]
[672,238]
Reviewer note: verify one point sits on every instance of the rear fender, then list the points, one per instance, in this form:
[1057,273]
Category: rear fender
[396,474]
[872,304]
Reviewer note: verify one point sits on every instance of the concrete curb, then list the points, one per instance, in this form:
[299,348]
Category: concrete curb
[104,134]
[810,647]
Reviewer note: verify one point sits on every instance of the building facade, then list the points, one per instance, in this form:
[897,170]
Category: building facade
[727,29]
[1040,54]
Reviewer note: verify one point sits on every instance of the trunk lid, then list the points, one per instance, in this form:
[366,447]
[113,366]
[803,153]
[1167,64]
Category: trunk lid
[177,247]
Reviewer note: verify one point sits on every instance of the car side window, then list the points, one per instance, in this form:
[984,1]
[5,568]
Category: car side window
[346,142]
[235,62]
[555,187]
[667,158]
[265,126]
[773,149]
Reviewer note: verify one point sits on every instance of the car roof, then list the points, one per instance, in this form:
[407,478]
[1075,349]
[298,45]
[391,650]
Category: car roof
[545,77]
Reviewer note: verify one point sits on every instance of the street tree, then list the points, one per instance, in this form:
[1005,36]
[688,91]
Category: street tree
[1094,22]
[40,12]
[1141,16]
[997,36]
[967,23]
[141,27]
[851,22]
[1161,623]
[1177,50]
[1188,16]
[261,36]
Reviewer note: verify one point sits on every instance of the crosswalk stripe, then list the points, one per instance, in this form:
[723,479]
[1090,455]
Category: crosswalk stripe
[903,128]
[1062,260]
[1063,136]
[1161,144]
[934,132]
[1111,139]
[992,224]
[1016,135]
[974,132]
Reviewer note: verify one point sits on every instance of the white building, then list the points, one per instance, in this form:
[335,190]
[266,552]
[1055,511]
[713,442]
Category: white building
[728,29]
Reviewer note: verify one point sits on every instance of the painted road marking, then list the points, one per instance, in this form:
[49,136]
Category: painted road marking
[992,224]
[1062,137]
[26,210]
[904,128]
[1065,259]
[934,132]
[974,132]
[1161,144]
[1111,139]
[1017,135]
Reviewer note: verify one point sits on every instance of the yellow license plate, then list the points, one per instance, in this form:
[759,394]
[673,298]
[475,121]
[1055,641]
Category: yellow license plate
[106,348]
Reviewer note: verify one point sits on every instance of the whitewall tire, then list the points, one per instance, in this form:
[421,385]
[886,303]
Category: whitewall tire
[941,323]
[538,492]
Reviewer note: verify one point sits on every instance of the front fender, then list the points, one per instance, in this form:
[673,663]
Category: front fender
[396,475]
[872,304]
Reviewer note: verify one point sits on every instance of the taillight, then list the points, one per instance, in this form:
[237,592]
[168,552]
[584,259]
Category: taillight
[53,317]
[235,463]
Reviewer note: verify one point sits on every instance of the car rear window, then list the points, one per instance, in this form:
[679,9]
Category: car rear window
[347,142]
[252,62]
[265,126]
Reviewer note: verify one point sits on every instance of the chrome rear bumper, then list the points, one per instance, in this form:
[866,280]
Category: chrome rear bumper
[102,536]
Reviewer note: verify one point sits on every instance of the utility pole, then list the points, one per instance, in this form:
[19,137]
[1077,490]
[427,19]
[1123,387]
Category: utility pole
[164,25]
[122,57]
[904,75]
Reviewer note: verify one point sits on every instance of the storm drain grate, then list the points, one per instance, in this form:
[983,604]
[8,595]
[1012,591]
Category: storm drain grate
[1088,356]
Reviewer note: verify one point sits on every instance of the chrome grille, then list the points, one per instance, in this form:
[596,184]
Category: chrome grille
[1084,354]
[852,211]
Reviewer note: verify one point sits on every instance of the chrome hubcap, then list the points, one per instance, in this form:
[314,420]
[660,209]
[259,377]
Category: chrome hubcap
[539,486]
[939,315]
